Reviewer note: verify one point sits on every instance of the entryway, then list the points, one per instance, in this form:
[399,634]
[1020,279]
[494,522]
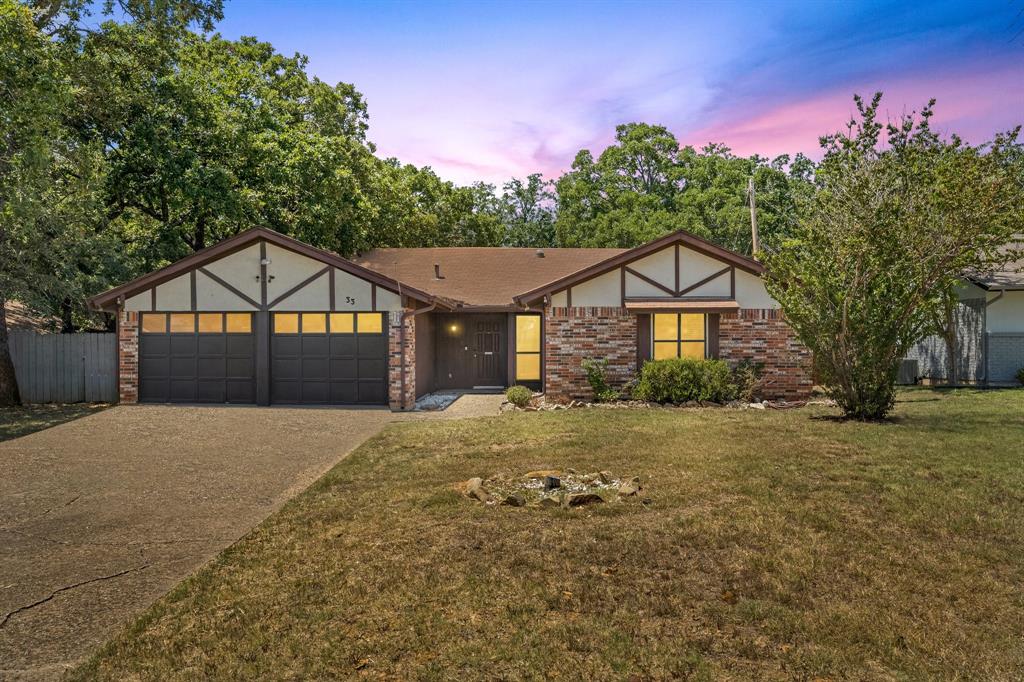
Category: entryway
[472,350]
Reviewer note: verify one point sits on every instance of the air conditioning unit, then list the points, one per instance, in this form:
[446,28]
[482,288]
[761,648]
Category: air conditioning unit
[908,373]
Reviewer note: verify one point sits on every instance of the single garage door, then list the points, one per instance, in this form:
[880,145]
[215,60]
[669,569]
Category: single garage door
[197,358]
[329,358]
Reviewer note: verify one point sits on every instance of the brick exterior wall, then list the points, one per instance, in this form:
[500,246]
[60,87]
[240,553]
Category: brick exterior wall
[395,360]
[573,334]
[128,357]
[763,336]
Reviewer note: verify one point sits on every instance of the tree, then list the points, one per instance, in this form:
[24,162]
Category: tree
[644,185]
[890,231]
[31,99]
[528,209]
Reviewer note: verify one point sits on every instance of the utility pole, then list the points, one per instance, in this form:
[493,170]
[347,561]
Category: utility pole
[755,244]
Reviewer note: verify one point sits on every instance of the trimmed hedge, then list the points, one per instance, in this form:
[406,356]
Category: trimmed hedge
[680,380]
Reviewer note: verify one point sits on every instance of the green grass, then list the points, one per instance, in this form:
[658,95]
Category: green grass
[21,421]
[776,545]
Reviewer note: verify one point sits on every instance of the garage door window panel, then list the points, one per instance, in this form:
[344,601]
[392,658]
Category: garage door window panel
[238,323]
[183,323]
[369,323]
[211,323]
[154,323]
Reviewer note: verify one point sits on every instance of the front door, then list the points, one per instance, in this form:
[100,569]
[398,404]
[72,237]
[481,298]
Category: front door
[471,350]
[488,359]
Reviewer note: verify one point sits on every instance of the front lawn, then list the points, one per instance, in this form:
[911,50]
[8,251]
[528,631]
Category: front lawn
[775,545]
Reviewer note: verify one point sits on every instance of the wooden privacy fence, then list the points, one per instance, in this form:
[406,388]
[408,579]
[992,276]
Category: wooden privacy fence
[65,368]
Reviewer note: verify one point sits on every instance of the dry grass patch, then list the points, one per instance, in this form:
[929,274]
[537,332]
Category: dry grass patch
[776,546]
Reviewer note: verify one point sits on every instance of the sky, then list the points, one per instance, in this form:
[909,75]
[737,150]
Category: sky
[493,90]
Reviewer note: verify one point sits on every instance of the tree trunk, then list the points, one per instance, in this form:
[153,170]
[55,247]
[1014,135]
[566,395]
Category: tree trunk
[950,339]
[8,381]
[67,323]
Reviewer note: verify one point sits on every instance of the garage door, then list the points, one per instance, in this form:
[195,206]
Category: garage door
[329,358]
[197,358]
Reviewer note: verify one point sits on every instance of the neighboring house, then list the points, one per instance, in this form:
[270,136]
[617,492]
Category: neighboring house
[989,322]
[262,318]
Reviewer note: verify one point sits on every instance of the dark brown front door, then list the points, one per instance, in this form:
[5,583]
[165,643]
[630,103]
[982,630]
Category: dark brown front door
[472,350]
[489,360]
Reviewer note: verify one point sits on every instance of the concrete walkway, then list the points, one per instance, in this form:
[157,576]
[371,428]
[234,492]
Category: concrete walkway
[101,516]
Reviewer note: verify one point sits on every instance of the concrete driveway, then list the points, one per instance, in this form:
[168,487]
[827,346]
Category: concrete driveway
[101,516]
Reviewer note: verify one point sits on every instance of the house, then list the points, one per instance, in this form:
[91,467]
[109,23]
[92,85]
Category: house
[262,318]
[989,322]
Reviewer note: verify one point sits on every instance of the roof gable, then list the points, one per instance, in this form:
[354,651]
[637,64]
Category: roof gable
[702,246]
[234,245]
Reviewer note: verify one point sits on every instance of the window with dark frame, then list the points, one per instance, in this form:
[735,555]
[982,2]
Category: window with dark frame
[679,335]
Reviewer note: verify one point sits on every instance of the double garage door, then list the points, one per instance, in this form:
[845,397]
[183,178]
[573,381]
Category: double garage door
[311,358]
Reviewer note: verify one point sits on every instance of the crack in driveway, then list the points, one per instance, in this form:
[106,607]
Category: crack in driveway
[40,602]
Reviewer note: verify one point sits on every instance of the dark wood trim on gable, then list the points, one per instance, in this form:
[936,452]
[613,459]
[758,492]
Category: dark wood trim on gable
[152,299]
[232,289]
[680,237]
[241,241]
[301,285]
[330,285]
[652,282]
[192,289]
[373,297]
[263,274]
[704,281]
[568,297]
[622,284]
[675,263]
[732,282]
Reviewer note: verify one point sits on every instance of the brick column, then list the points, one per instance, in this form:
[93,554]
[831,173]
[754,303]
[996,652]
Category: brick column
[396,360]
[128,357]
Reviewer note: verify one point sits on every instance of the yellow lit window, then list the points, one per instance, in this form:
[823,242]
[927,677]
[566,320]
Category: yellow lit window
[183,323]
[314,323]
[679,335]
[528,344]
[239,323]
[211,323]
[342,323]
[154,323]
[286,323]
[369,323]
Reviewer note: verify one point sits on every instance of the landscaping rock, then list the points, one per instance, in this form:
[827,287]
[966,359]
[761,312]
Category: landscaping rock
[549,502]
[542,473]
[605,477]
[757,406]
[552,482]
[514,500]
[475,489]
[581,499]
[630,487]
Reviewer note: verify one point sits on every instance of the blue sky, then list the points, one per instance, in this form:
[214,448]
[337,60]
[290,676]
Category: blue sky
[490,90]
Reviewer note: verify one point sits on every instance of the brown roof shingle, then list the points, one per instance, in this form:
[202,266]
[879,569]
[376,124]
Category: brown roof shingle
[480,276]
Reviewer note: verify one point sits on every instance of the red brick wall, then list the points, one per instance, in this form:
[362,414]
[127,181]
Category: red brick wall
[128,356]
[764,337]
[573,334]
[395,360]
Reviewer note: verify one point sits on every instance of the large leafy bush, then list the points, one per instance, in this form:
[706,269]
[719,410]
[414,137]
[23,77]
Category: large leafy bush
[680,380]
[597,377]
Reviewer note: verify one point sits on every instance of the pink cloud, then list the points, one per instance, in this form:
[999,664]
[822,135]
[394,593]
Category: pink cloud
[974,104]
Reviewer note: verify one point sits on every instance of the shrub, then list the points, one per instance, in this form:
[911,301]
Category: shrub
[1020,375]
[679,380]
[597,377]
[519,395]
[746,380]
